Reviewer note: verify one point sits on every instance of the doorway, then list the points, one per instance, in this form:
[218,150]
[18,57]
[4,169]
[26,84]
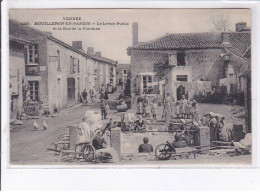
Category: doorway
[14,107]
[180,92]
[71,88]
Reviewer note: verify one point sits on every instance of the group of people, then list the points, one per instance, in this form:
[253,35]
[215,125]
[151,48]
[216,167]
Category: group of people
[215,123]
[103,92]
[180,109]
[145,108]
[92,96]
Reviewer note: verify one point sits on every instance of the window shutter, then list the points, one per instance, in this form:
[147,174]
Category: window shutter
[78,66]
[74,65]
[71,64]
[26,51]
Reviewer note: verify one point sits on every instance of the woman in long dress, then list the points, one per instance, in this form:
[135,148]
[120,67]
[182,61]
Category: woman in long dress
[183,106]
[168,109]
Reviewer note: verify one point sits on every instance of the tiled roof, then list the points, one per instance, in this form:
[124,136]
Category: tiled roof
[183,41]
[20,40]
[15,27]
[239,42]
[103,59]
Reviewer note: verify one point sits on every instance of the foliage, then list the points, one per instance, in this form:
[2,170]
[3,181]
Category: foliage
[221,22]
[127,91]
[160,67]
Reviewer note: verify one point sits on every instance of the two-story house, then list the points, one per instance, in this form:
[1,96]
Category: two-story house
[185,63]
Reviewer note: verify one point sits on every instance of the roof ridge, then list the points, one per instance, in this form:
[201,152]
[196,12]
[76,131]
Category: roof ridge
[183,33]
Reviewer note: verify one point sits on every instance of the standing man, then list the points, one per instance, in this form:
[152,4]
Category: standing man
[103,108]
[85,96]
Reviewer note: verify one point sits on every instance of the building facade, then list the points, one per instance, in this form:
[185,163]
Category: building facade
[17,76]
[122,74]
[188,64]
[55,73]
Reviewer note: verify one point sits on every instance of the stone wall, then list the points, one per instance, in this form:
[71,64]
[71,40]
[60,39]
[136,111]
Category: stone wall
[16,72]
[58,92]
[39,38]
[200,64]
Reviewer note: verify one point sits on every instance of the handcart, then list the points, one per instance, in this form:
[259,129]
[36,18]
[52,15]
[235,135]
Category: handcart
[167,150]
[83,149]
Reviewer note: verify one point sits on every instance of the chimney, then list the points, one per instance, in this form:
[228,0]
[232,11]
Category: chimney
[98,54]
[135,33]
[225,38]
[240,26]
[90,50]
[77,45]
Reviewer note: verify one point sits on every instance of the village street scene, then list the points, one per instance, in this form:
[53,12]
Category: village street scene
[124,94]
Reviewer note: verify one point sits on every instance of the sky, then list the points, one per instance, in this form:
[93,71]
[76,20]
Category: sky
[113,40]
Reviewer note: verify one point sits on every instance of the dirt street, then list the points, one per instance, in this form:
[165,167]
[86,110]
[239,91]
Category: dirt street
[30,147]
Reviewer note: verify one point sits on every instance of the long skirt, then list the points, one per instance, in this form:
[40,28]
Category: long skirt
[214,134]
[140,107]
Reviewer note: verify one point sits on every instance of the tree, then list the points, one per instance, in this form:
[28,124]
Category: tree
[127,91]
[221,22]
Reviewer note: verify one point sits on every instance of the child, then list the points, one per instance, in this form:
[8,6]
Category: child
[104,109]
[194,111]
[154,109]
[183,106]
[204,120]
[178,109]
[188,109]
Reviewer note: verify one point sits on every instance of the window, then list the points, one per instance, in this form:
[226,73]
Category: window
[146,80]
[180,59]
[125,71]
[32,54]
[183,78]
[75,65]
[172,59]
[34,90]
[58,56]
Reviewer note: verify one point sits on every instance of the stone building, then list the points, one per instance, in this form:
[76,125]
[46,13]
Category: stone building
[122,73]
[56,73]
[16,75]
[187,63]
[104,69]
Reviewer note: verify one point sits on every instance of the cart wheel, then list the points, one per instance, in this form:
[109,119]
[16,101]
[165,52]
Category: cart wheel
[163,152]
[89,153]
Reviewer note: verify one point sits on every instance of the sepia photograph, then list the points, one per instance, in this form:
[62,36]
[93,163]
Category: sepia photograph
[126,87]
